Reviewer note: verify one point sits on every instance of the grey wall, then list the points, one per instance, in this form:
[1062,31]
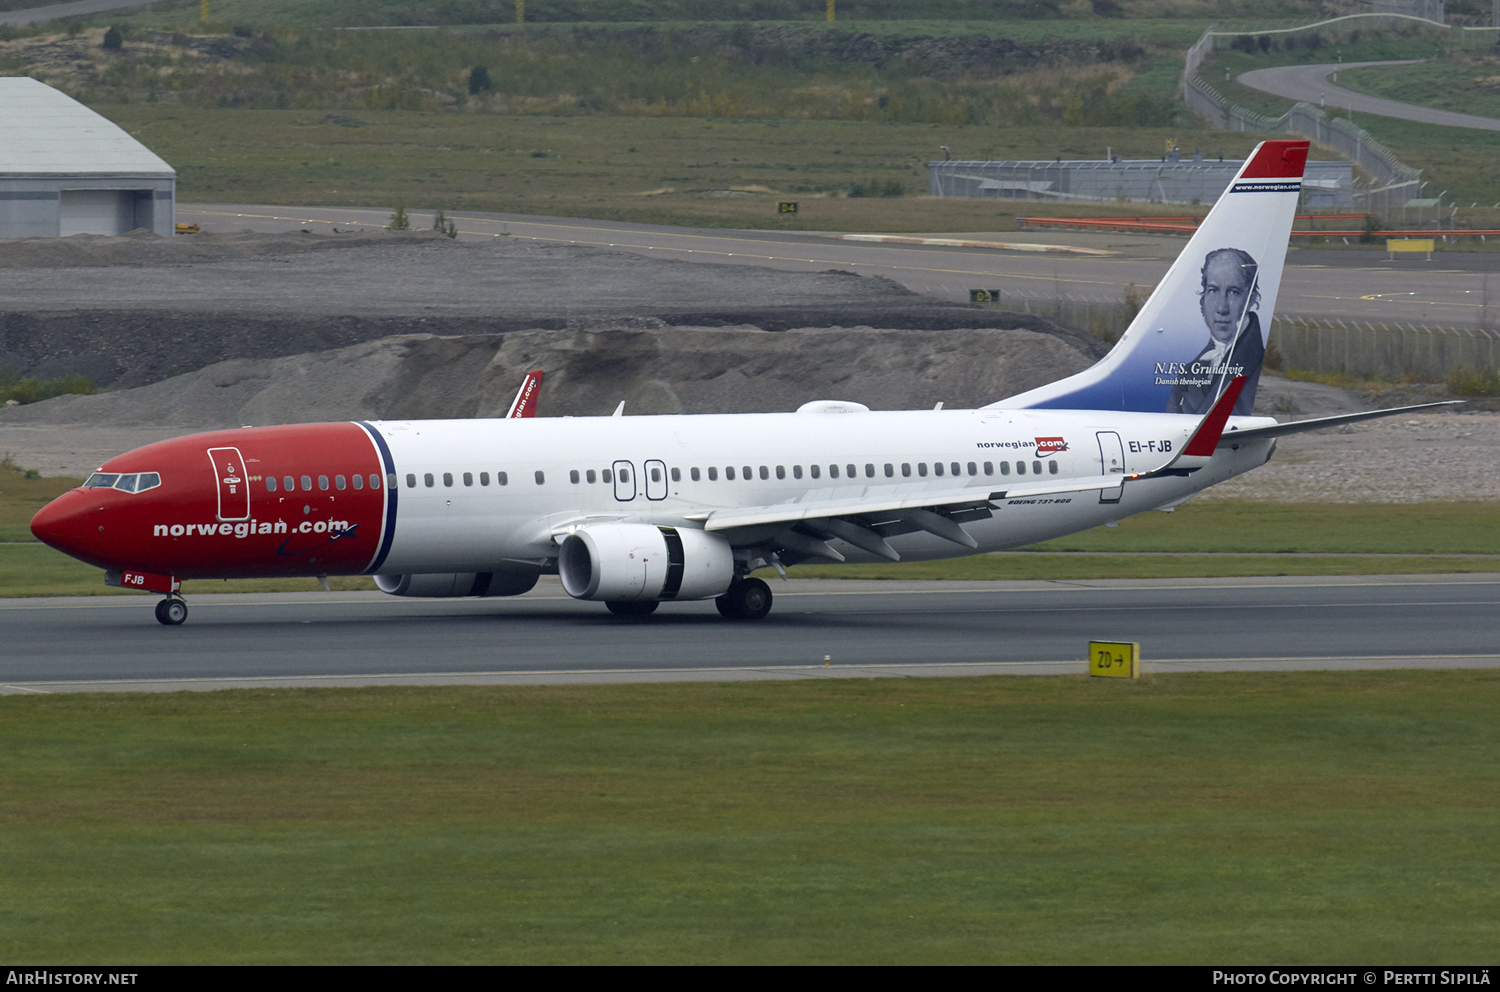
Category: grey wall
[47,206]
[1147,181]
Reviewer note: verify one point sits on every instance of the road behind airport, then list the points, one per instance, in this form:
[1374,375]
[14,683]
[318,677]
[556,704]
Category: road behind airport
[1449,291]
[868,629]
[77,8]
[1311,83]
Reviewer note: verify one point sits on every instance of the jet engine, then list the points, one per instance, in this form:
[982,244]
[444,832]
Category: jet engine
[510,580]
[631,562]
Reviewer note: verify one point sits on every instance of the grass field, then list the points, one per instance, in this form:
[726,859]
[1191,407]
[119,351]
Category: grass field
[1028,19]
[634,169]
[258,115]
[1458,161]
[1286,818]
[1468,87]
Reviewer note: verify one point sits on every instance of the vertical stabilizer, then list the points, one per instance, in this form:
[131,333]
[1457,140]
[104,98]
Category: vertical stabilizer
[524,404]
[1206,323]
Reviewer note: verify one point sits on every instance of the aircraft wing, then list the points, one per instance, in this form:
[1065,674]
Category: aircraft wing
[804,526]
[1318,423]
[812,509]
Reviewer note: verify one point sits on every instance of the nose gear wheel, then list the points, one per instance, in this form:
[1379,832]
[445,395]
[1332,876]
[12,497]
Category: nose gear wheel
[171,612]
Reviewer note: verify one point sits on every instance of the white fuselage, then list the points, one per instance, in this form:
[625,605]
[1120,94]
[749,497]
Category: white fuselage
[674,470]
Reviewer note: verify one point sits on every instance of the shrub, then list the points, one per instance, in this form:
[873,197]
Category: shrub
[443,225]
[25,391]
[479,80]
[399,220]
[1464,381]
[113,40]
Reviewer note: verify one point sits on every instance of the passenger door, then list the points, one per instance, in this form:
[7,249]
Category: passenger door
[234,488]
[624,481]
[1111,462]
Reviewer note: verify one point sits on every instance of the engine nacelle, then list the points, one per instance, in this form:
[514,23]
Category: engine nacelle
[625,562]
[510,580]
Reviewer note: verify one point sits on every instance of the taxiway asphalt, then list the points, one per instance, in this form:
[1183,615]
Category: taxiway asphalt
[1364,286]
[866,629]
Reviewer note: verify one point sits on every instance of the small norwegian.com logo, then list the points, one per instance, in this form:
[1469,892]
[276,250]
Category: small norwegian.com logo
[1050,445]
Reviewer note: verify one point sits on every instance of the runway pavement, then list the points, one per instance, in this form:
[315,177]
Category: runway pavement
[1312,84]
[867,629]
[1317,283]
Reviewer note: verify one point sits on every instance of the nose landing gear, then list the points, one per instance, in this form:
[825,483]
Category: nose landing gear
[171,611]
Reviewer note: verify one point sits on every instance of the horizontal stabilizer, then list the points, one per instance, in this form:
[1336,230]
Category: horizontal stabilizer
[1318,423]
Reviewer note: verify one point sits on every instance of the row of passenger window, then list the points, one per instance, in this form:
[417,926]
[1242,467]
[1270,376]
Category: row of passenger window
[289,482]
[747,472]
[607,476]
[849,471]
[428,480]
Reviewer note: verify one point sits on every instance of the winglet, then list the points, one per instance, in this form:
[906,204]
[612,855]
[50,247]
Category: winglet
[525,401]
[1206,438]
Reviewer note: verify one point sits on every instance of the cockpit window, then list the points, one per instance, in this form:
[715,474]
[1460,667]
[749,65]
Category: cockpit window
[137,482]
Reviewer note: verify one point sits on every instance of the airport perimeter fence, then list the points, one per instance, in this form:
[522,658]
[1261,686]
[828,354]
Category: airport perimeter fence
[1391,182]
[1363,349]
[1359,348]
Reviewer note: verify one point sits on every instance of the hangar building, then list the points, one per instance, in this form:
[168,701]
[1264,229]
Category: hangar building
[66,170]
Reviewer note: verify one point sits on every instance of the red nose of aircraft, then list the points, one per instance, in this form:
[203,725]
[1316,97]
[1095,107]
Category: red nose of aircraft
[75,524]
[271,501]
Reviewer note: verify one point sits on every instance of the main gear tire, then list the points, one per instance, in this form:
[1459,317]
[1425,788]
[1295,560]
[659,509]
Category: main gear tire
[747,599]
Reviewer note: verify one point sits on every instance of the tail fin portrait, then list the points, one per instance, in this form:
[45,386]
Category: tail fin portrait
[1206,322]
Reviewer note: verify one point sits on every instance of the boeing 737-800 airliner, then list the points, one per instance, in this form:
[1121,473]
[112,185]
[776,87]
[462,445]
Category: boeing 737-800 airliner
[634,511]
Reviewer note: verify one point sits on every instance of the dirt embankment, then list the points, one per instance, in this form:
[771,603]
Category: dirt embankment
[654,369]
[132,311]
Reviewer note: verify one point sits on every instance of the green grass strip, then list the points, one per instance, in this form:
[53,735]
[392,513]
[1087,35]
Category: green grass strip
[1289,818]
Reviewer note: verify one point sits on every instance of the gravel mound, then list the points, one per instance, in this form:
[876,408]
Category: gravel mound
[654,369]
[135,310]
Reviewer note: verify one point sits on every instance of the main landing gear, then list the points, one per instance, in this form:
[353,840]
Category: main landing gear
[747,599]
[171,611]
